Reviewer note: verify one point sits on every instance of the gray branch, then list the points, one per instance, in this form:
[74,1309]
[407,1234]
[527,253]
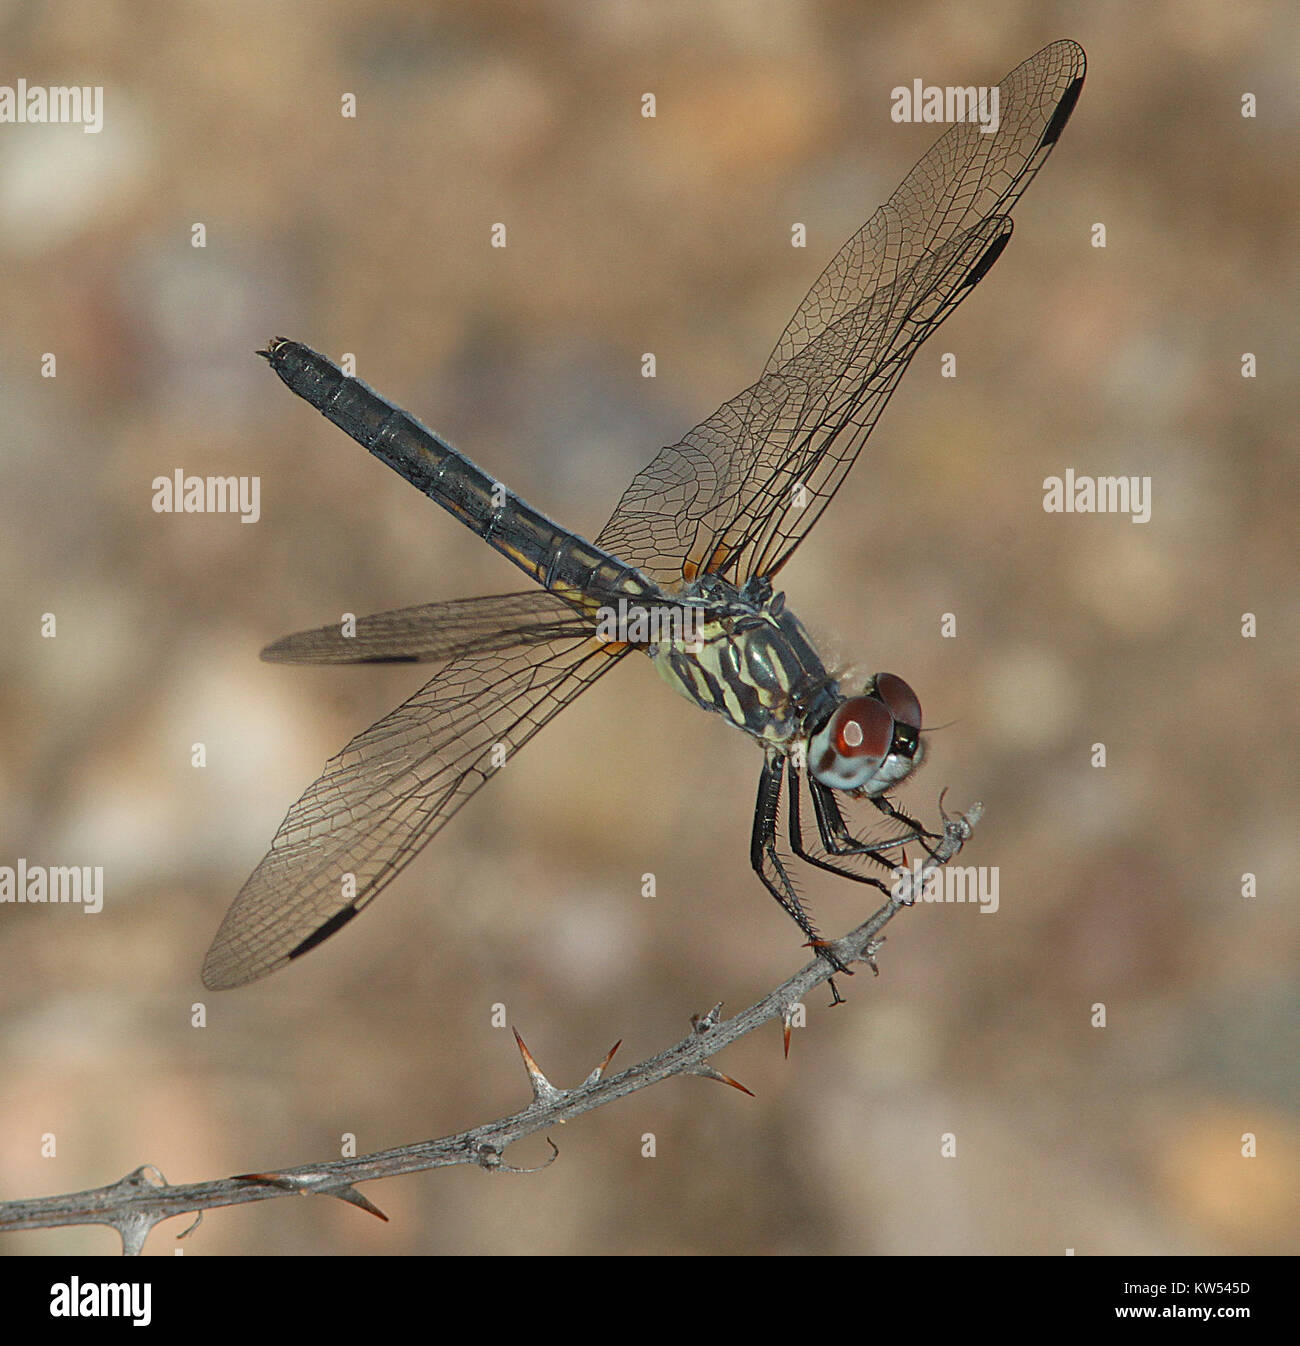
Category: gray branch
[140,1200]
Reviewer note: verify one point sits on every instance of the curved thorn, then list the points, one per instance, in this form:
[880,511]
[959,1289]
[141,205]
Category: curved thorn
[355,1198]
[709,1073]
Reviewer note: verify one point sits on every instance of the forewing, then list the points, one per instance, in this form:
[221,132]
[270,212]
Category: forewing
[739,492]
[381,799]
[435,631]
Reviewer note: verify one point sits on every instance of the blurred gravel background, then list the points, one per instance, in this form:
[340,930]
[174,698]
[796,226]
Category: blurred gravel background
[628,235]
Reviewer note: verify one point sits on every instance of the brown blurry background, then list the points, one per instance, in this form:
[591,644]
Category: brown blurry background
[670,235]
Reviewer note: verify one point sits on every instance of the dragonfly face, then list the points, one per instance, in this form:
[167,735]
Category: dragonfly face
[701,530]
[872,742]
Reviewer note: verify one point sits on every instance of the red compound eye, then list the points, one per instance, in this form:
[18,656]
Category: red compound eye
[900,699]
[862,727]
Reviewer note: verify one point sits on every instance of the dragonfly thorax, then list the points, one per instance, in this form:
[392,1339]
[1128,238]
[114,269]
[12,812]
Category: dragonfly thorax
[753,663]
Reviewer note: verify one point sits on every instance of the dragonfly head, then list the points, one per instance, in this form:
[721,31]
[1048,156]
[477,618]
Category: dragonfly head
[871,742]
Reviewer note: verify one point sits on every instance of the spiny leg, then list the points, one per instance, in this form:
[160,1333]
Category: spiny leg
[839,841]
[920,833]
[767,862]
[802,851]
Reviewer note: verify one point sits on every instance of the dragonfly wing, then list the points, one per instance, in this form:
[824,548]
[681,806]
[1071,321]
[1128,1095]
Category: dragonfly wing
[435,631]
[381,799]
[739,492]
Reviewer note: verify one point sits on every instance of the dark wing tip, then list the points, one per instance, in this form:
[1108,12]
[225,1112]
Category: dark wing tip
[335,923]
[991,253]
[1078,64]
[1063,110]
[221,974]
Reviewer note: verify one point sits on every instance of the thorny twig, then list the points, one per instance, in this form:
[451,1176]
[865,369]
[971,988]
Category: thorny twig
[143,1198]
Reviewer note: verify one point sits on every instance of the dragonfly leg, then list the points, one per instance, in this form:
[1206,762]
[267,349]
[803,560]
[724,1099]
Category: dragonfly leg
[766,859]
[839,841]
[921,834]
[799,847]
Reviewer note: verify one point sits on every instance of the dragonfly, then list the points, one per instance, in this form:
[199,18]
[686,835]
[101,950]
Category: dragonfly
[682,573]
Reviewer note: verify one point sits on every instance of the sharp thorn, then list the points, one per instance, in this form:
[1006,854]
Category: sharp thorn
[709,1073]
[599,1072]
[543,1090]
[354,1198]
[269,1180]
[313,1184]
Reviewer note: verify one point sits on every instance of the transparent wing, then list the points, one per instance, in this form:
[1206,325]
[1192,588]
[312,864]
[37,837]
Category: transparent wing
[381,799]
[742,489]
[435,631]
